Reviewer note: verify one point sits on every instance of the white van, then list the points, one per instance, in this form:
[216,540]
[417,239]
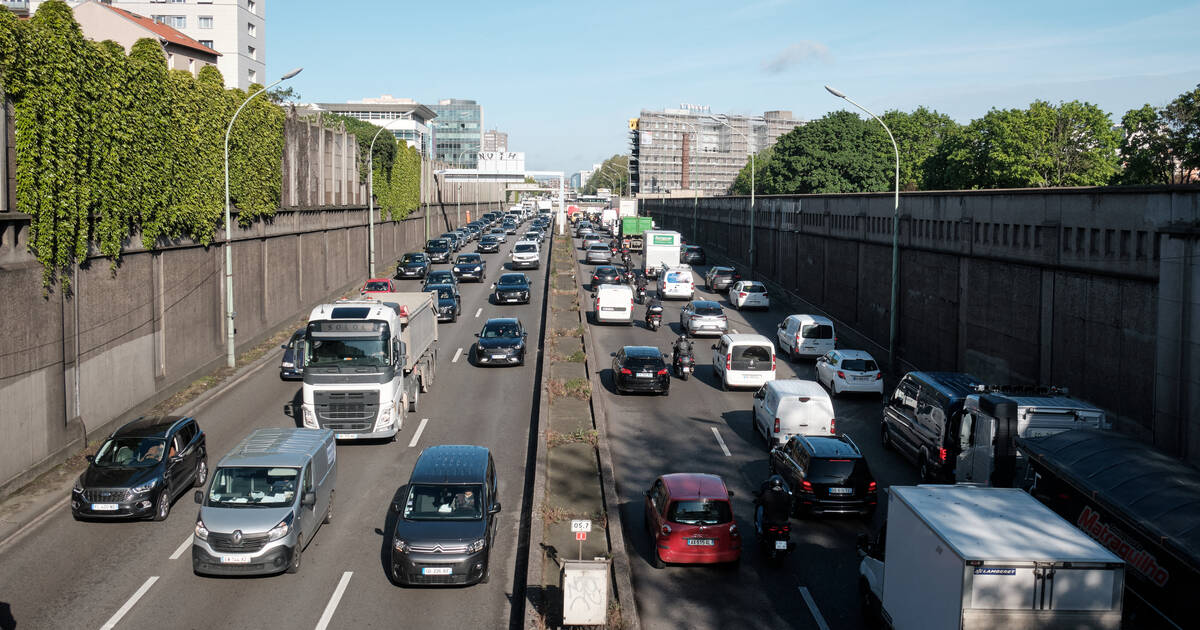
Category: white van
[613,303]
[676,282]
[790,407]
[742,360]
[806,336]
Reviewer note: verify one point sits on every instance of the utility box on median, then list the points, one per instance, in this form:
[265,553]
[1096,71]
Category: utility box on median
[585,592]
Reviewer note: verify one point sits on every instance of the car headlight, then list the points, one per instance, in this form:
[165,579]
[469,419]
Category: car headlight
[280,530]
[288,364]
[144,488]
[310,417]
[201,530]
[400,545]
[478,268]
[78,486]
[385,417]
[476,546]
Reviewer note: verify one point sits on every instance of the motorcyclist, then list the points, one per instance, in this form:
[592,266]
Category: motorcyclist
[773,503]
[654,305]
[682,347]
[626,259]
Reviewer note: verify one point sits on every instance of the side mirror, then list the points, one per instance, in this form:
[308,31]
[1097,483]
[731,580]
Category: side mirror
[493,285]
[714,347]
[176,459]
[309,499]
[612,354]
[90,458]
[283,346]
[396,506]
[594,295]
[731,494]
[495,508]
[524,335]
[476,335]
[646,493]
[198,496]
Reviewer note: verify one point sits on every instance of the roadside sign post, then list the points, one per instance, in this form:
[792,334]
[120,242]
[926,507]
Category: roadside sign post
[581,527]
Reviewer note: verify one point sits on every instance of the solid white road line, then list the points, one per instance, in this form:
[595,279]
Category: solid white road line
[417,435]
[28,527]
[182,548]
[812,608]
[717,434]
[326,616]
[479,311]
[112,621]
[457,353]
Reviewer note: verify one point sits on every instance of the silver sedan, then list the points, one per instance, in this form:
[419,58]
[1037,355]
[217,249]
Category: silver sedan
[598,254]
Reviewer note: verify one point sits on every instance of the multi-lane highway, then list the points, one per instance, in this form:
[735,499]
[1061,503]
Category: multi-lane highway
[68,574]
[700,428]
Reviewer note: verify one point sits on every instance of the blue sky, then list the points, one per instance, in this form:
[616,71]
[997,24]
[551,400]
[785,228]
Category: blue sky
[562,77]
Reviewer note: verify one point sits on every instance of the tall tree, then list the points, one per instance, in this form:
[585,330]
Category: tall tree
[837,153]
[1145,149]
[919,135]
[612,174]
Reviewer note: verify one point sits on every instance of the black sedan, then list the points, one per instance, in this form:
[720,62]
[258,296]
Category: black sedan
[692,255]
[489,244]
[413,265]
[501,342]
[511,288]
[469,266]
[605,274]
[720,278]
[640,369]
[440,276]
[290,367]
[438,250]
[449,302]
[141,468]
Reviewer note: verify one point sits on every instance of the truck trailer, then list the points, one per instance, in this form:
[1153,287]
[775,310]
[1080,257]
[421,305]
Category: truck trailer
[972,557]
[632,230]
[366,362]
[662,249]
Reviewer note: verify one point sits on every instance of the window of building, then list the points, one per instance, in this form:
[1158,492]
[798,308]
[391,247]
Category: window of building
[252,51]
[252,6]
[206,42]
[174,21]
[251,30]
[205,21]
[253,76]
[192,66]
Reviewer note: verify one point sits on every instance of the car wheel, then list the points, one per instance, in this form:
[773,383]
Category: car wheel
[885,437]
[833,389]
[655,560]
[201,474]
[294,565]
[487,573]
[924,467]
[329,511]
[162,507]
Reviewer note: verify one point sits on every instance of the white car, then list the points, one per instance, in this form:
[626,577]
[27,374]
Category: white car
[525,255]
[849,371]
[749,294]
[676,283]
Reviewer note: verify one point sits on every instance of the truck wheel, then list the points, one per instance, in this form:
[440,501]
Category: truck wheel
[413,400]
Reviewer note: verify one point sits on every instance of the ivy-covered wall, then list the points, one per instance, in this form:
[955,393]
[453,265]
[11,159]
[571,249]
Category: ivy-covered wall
[397,167]
[111,146]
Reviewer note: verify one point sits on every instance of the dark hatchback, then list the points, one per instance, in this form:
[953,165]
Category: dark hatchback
[605,274]
[511,288]
[692,255]
[500,342]
[289,368]
[720,278]
[438,250]
[449,302]
[469,266]
[489,244]
[141,468]
[827,474]
[413,265]
[640,369]
[441,276]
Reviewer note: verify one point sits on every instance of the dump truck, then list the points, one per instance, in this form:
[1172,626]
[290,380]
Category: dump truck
[632,231]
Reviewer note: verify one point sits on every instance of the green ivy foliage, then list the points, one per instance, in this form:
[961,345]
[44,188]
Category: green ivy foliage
[397,166]
[112,146]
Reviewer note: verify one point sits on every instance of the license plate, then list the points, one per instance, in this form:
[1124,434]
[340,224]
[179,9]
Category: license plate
[104,507]
[701,542]
[511,300]
[498,356]
[437,571]
[645,375]
[841,491]
[346,436]
[687,368]
[235,559]
[781,544]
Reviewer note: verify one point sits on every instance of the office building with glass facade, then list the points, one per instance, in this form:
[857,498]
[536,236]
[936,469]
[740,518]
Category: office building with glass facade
[457,132]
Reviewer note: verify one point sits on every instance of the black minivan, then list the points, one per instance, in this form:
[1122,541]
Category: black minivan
[921,420]
[446,518]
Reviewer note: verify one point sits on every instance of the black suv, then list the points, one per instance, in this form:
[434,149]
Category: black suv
[446,518]
[720,278]
[511,288]
[438,250]
[141,468]
[413,265]
[921,420]
[605,274]
[640,369]
[692,255]
[489,244]
[448,299]
[501,342]
[827,475]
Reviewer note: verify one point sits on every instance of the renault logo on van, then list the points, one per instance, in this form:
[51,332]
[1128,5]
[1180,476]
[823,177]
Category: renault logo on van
[237,537]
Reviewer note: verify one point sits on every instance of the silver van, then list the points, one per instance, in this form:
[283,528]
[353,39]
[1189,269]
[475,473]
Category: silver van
[265,502]
[805,336]
[743,360]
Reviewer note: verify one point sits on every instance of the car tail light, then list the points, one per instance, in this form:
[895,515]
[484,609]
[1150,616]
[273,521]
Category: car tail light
[833,426]
[741,294]
[871,487]
[878,376]
[806,486]
[942,454]
[764,294]
[662,372]
[729,362]
[772,359]
[665,530]
[841,375]
[776,426]
[798,342]
[626,371]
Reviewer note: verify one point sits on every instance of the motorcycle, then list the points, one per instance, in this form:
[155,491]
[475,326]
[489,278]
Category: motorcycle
[654,317]
[775,543]
[641,294]
[684,366]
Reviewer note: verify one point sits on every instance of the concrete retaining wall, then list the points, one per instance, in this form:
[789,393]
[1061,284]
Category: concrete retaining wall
[1095,289]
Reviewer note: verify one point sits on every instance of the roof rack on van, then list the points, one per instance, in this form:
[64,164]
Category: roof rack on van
[1039,390]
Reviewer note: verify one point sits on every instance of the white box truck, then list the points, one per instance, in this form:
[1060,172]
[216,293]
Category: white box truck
[661,248]
[973,557]
[628,208]
[366,363]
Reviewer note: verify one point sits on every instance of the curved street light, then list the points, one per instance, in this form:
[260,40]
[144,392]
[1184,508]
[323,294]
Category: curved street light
[892,320]
[371,201]
[230,314]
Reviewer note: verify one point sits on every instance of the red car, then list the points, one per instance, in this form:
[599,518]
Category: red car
[690,520]
[376,285]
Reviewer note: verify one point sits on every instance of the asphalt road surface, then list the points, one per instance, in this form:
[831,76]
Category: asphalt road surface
[68,574]
[700,428]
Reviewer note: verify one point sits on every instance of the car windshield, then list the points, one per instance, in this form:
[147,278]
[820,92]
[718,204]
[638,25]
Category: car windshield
[708,309]
[130,451]
[442,502]
[700,512]
[436,243]
[445,294]
[511,283]
[525,248]
[410,258]
[859,365]
[253,486]
[833,470]
[440,276]
[468,259]
[378,286]
[817,331]
[349,351]
[495,331]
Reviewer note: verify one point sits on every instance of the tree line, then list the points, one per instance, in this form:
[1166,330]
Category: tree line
[1044,145]
[612,174]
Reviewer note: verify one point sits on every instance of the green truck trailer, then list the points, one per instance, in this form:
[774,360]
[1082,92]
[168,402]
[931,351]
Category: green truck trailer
[632,229]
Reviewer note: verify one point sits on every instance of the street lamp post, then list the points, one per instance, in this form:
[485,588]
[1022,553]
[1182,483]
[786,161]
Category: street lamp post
[371,204]
[752,169]
[892,320]
[695,192]
[230,314]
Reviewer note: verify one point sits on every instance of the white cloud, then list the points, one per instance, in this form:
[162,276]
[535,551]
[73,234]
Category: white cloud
[796,54]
